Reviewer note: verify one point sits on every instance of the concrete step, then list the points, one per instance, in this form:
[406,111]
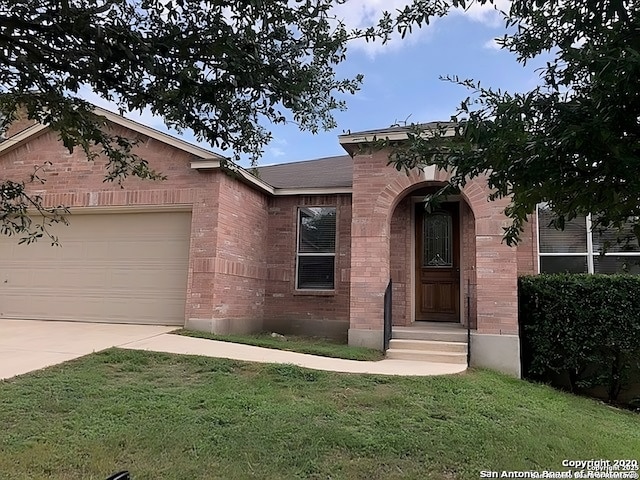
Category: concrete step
[433,334]
[428,356]
[429,345]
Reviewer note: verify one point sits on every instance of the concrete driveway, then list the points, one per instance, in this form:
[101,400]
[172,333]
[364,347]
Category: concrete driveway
[27,345]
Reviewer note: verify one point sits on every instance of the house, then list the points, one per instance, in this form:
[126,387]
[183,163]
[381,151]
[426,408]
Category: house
[307,247]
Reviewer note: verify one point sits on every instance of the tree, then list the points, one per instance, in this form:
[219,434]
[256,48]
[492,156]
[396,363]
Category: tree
[573,142]
[221,68]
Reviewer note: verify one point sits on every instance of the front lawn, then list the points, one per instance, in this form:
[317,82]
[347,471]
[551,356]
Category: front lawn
[176,417]
[294,343]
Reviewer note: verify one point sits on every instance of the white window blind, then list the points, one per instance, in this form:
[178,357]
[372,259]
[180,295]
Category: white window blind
[577,249]
[316,248]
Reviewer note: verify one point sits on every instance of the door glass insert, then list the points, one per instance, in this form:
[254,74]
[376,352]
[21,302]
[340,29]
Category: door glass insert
[438,240]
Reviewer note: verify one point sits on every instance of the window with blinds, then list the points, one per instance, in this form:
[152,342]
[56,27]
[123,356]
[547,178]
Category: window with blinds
[578,249]
[316,248]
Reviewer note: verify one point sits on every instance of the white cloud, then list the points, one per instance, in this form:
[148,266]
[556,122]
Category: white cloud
[487,14]
[277,152]
[276,147]
[492,44]
[364,13]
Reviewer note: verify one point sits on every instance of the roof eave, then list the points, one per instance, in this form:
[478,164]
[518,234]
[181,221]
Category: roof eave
[22,137]
[246,177]
[39,128]
[158,135]
[242,174]
[350,142]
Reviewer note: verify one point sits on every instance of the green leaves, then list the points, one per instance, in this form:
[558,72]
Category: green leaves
[220,68]
[574,141]
[583,328]
[24,214]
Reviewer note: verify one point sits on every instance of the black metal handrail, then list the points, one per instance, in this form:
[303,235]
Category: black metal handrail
[468,322]
[387,314]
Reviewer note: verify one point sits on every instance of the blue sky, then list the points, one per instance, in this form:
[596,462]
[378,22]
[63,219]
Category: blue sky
[401,78]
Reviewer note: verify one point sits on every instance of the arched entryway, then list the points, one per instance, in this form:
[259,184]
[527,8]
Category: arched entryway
[384,214]
[432,258]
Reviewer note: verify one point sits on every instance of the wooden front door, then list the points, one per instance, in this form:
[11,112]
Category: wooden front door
[437,263]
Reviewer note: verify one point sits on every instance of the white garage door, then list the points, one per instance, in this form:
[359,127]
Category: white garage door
[124,268]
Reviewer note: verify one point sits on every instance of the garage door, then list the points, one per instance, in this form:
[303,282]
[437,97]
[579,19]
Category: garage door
[124,268]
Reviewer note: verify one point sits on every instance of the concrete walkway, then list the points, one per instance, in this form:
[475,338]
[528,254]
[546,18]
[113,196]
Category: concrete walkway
[212,348]
[28,345]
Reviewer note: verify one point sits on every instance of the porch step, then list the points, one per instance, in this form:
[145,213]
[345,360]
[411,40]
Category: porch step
[428,345]
[428,356]
[429,342]
[436,333]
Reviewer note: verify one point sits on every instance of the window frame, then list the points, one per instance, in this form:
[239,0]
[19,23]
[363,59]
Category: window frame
[299,254]
[589,254]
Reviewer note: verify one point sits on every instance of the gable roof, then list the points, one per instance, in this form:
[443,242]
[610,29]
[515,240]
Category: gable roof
[330,172]
[38,128]
[158,135]
[22,137]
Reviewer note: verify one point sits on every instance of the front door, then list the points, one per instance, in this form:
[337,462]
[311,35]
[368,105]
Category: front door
[437,263]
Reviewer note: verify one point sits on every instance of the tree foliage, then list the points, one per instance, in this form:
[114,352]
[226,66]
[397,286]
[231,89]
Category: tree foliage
[222,68]
[574,141]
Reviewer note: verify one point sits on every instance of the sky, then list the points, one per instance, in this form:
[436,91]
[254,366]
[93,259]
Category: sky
[401,78]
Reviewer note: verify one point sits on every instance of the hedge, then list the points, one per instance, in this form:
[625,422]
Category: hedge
[582,332]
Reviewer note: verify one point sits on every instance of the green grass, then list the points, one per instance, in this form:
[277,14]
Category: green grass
[313,345]
[176,417]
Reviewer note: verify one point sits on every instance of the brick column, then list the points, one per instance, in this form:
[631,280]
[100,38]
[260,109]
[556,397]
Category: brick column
[495,343]
[377,188]
[496,272]
[202,253]
[228,258]
[369,250]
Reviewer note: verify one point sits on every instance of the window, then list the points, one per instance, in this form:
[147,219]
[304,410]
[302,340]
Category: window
[438,240]
[316,249]
[576,249]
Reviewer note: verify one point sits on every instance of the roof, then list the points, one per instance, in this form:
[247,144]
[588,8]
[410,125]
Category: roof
[38,128]
[318,176]
[350,140]
[396,129]
[157,135]
[330,172]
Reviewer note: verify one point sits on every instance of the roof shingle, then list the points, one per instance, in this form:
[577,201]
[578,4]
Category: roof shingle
[327,172]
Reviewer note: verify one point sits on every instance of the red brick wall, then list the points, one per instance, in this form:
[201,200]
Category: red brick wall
[312,313]
[227,258]
[74,181]
[377,189]
[528,249]
[241,263]
[496,264]
[402,259]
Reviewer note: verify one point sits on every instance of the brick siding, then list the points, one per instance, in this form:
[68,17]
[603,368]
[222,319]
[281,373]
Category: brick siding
[227,255]
[378,192]
[288,310]
[242,250]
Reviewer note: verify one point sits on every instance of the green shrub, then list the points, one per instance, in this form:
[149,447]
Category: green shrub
[581,332]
